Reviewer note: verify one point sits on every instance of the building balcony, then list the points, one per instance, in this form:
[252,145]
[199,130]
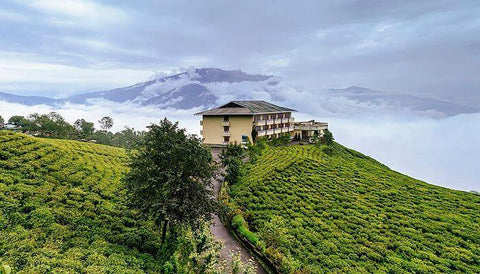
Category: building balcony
[261,133]
[278,121]
[225,143]
[226,133]
[311,126]
[261,122]
[270,122]
[270,132]
[225,123]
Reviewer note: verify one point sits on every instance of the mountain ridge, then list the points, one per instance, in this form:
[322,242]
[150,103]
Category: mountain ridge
[207,87]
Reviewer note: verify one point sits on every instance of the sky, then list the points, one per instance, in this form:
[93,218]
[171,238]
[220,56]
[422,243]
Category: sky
[427,48]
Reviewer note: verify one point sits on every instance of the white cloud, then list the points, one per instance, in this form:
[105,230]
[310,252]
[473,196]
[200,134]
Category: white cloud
[18,67]
[87,12]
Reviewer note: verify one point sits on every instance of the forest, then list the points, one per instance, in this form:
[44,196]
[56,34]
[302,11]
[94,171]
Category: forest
[326,208]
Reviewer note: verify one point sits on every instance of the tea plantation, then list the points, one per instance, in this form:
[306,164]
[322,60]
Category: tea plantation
[62,210]
[313,212]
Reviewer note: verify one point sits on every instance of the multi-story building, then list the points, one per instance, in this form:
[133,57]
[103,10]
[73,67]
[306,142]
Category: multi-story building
[308,129]
[238,120]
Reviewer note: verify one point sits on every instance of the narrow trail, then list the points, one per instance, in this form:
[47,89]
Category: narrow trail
[230,243]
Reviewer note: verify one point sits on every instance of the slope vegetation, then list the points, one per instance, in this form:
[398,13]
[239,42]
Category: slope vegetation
[312,212]
[61,209]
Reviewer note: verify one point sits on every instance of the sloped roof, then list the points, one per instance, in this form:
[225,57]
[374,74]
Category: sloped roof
[245,108]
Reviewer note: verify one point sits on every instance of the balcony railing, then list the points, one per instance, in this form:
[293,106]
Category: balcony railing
[260,122]
[270,132]
[270,122]
[225,123]
[316,126]
[226,133]
[261,133]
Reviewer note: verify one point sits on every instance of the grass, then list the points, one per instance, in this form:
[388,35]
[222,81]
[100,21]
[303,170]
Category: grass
[345,212]
[62,209]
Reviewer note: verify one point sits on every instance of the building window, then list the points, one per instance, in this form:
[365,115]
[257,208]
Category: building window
[226,128]
[226,139]
[244,138]
[226,118]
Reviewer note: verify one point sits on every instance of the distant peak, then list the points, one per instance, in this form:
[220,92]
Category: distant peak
[358,89]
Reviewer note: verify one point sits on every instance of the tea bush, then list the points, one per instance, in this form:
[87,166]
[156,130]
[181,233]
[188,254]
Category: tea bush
[346,212]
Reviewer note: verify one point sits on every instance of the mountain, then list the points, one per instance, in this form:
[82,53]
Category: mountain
[207,87]
[317,209]
[365,98]
[184,90]
[27,100]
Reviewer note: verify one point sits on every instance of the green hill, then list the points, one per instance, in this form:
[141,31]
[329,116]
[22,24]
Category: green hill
[61,209]
[311,212]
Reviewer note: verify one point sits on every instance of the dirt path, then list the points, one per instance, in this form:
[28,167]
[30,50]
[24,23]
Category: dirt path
[230,244]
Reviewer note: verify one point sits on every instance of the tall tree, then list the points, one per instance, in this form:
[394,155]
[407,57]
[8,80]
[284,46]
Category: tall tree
[170,177]
[16,119]
[2,120]
[84,128]
[106,123]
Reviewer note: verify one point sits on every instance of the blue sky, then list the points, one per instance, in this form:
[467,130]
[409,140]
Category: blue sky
[427,48]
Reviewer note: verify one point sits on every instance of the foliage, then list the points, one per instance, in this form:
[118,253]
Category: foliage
[16,119]
[2,120]
[49,124]
[5,269]
[170,177]
[231,157]
[241,226]
[280,141]
[328,137]
[106,123]
[346,212]
[53,125]
[84,129]
[61,209]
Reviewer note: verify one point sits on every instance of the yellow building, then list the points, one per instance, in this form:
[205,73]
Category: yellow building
[236,121]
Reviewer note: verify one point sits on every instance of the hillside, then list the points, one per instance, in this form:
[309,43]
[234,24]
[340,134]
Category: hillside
[311,213]
[61,209]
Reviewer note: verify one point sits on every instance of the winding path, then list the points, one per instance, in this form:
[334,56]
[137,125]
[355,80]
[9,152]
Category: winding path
[230,243]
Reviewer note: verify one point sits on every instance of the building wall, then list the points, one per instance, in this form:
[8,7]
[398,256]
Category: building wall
[213,129]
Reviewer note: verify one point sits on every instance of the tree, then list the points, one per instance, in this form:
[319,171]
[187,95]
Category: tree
[84,128]
[231,157]
[328,137]
[170,178]
[2,120]
[16,119]
[106,123]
